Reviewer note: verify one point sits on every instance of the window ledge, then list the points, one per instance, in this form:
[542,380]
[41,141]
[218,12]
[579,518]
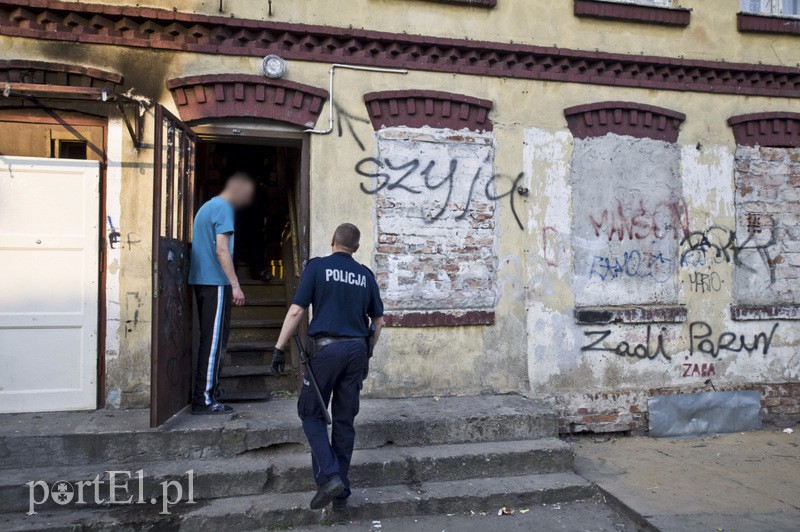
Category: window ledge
[474,3]
[631,12]
[643,314]
[755,23]
[765,312]
[452,318]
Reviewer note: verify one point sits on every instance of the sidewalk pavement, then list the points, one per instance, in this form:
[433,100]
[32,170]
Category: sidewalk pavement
[734,482]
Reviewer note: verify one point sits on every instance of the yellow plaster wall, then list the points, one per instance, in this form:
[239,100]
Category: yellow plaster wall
[444,360]
[711,35]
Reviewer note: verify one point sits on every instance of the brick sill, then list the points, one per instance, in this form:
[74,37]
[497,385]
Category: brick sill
[765,312]
[630,12]
[473,3]
[643,314]
[449,318]
[753,23]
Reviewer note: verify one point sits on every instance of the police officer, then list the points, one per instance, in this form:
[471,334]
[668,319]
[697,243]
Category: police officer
[346,299]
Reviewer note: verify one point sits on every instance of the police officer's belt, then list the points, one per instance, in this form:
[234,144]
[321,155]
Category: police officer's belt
[328,340]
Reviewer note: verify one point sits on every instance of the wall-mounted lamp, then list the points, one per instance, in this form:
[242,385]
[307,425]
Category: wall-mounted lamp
[273,66]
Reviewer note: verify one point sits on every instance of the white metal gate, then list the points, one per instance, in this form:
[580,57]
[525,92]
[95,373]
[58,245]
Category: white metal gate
[48,284]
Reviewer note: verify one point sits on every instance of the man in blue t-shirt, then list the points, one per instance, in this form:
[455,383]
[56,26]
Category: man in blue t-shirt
[346,299]
[215,285]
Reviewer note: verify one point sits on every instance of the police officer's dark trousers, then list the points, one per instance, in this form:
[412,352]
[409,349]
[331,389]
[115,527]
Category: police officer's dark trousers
[339,369]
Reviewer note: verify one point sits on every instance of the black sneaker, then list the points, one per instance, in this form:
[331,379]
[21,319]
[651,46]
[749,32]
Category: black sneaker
[211,410]
[340,506]
[326,493]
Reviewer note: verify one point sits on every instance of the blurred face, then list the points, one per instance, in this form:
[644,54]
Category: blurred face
[241,192]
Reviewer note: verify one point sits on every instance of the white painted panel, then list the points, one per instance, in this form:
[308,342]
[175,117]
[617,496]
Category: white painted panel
[49,284]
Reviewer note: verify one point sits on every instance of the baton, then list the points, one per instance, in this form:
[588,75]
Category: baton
[312,379]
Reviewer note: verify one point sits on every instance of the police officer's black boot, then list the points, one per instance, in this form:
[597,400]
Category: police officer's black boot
[327,492]
[339,505]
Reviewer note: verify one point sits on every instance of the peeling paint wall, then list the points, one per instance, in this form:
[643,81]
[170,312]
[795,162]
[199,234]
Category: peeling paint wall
[627,226]
[541,241]
[604,372]
[435,229]
[767,225]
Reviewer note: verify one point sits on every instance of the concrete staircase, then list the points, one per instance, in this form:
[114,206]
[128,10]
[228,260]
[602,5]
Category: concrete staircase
[254,330]
[251,470]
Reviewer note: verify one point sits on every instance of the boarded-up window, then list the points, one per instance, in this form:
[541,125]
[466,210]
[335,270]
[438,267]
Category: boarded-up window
[626,226]
[435,207]
[767,249]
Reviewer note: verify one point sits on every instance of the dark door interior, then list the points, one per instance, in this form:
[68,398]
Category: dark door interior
[266,257]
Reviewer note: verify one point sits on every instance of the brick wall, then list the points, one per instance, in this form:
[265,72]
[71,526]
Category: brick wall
[767,225]
[435,220]
[626,410]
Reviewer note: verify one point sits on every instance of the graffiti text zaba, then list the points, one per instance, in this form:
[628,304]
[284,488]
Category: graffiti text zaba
[701,341]
[414,176]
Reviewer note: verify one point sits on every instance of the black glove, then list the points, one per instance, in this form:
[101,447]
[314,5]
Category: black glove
[278,362]
[366,372]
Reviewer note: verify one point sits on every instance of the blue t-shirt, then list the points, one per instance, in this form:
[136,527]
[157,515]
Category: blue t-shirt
[214,218]
[344,295]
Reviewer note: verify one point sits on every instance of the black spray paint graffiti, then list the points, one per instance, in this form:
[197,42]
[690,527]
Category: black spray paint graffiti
[346,121]
[701,341]
[414,177]
[703,283]
[624,349]
[717,245]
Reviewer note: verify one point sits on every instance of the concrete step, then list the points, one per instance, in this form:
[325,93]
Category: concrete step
[281,511]
[77,438]
[283,471]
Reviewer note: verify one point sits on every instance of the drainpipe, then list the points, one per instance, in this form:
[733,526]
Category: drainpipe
[330,91]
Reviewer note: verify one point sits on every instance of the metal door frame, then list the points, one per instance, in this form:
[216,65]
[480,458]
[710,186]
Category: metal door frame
[180,162]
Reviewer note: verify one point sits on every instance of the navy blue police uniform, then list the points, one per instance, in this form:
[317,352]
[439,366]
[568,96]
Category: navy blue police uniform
[344,296]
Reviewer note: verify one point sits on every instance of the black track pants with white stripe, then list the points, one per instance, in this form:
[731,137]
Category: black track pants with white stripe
[214,311]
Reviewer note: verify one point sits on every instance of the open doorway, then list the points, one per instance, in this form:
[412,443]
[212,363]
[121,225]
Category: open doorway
[266,253]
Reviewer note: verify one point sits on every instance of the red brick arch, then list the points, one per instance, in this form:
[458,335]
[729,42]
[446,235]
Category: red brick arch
[418,108]
[247,96]
[624,118]
[770,130]
[45,73]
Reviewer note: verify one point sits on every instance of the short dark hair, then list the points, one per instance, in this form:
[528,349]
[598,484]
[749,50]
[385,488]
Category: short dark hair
[347,236]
